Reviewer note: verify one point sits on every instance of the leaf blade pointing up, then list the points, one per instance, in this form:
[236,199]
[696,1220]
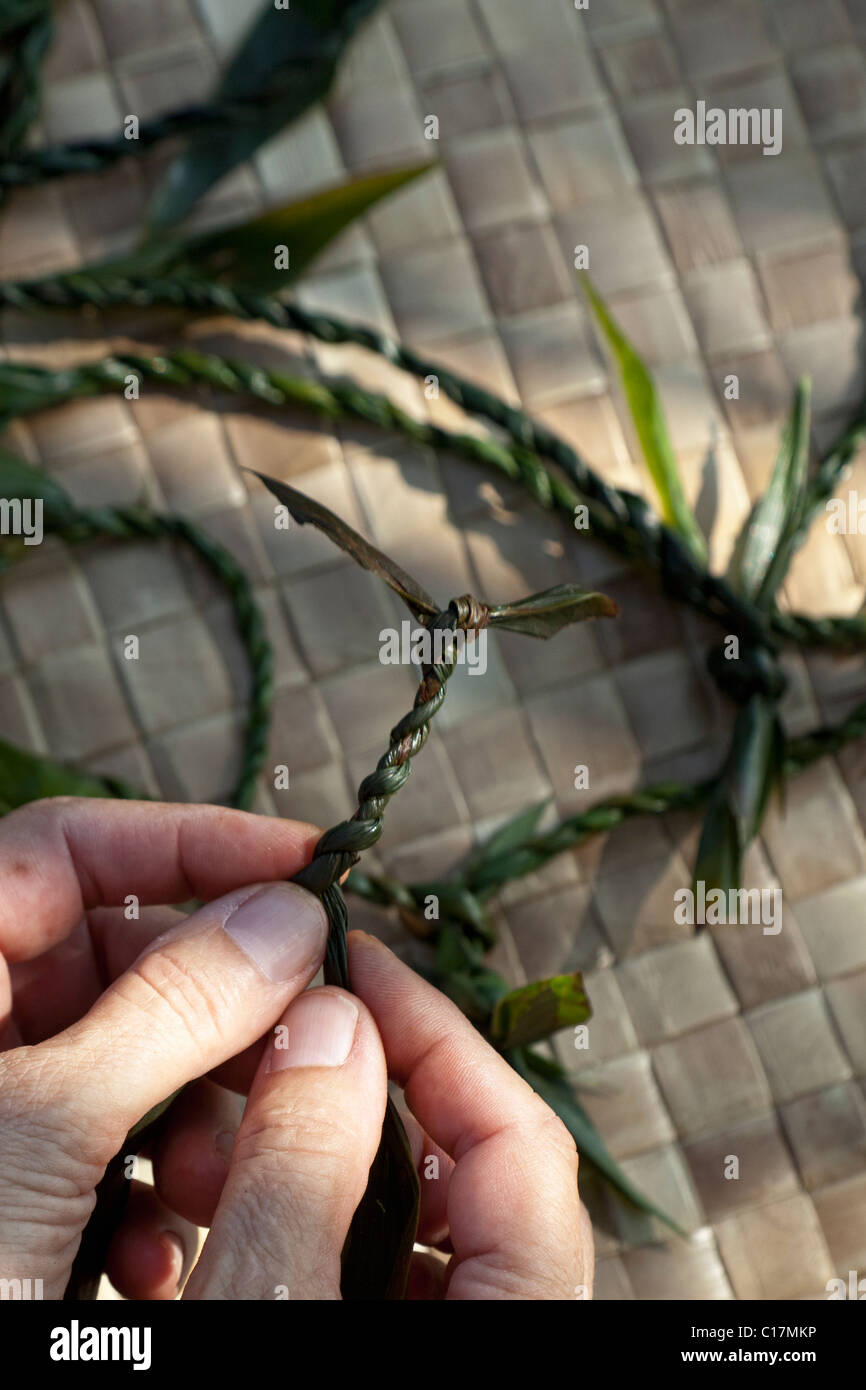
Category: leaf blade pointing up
[306,511]
[648,417]
[763,548]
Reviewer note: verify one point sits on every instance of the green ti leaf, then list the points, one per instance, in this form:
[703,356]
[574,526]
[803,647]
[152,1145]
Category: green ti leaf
[243,256]
[544,614]
[515,832]
[505,842]
[454,901]
[15,14]
[540,615]
[22,481]
[534,1011]
[648,417]
[28,777]
[753,769]
[288,61]
[26,35]
[554,1087]
[764,546]
[459,971]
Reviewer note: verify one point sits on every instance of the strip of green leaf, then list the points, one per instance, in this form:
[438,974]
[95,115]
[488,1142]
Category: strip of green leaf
[650,425]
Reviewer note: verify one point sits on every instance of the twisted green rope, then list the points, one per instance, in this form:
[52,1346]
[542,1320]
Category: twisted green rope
[337,850]
[36,387]
[625,521]
[486,874]
[340,847]
[127,523]
[29,167]
[619,518]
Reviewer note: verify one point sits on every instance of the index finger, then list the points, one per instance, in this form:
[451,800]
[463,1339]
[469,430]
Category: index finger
[60,857]
[512,1206]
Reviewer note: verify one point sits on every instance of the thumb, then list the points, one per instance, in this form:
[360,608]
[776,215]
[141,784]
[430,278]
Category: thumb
[302,1156]
[198,995]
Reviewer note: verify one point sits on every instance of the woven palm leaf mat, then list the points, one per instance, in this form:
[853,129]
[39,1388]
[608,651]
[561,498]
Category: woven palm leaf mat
[555,129]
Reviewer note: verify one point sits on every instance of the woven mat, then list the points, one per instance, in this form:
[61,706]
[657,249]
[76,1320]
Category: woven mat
[555,130]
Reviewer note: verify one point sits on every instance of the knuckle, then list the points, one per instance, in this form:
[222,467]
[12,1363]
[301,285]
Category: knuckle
[542,1129]
[168,991]
[53,804]
[47,810]
[558,1136]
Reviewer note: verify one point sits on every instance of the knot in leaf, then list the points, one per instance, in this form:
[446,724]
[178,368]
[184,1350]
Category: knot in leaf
[472,615]
[755,671]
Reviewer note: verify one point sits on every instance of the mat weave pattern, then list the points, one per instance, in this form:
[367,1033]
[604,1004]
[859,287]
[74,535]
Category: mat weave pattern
[555,130]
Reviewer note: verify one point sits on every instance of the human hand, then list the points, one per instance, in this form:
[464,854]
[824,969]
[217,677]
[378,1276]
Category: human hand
[103,1016]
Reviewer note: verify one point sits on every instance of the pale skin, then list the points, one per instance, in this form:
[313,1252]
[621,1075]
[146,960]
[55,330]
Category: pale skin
[94,1033]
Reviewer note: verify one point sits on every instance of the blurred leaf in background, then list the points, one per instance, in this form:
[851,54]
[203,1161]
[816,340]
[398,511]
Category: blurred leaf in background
[287,60]
[243,255]
[26,32]
[21,481]
[26,776]
[535,1011]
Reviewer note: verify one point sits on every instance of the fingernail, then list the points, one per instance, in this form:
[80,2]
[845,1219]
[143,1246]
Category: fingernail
[321,1030]
[173,1246]
[282,928]
[224,1143]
